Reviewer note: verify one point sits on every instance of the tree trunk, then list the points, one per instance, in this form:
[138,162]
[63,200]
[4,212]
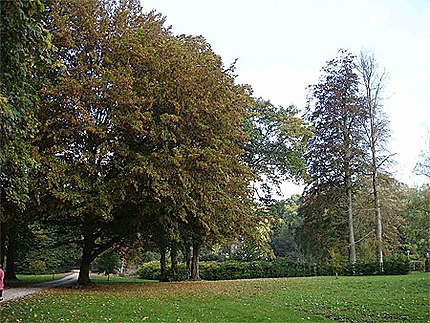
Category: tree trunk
[187,255]
[352,254]
[10,273]
[84,271]
[373,82]
[376,204]
[195,274]
[378,225]
[347,173]
[174,261]
[163,262]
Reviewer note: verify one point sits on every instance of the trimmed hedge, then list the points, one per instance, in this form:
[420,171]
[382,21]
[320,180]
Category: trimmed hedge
[151,270]
[281,267]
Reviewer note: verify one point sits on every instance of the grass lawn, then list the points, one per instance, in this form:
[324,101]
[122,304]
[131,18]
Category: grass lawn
[352,299]
[100,279]
[32,279]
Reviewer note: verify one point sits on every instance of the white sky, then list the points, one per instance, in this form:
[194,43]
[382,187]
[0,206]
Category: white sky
[282,45]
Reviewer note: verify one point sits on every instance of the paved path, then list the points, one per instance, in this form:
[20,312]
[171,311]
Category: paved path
[13,293]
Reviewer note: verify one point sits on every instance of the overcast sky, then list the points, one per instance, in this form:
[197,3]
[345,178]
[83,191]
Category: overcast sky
[282,45]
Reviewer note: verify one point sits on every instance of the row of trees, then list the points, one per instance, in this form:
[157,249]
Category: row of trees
[115,129]
[347,158]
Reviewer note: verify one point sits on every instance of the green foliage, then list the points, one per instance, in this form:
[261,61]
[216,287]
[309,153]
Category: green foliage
[37,267]
[25,50]
[151,271]
[108,262]
[395,265]
[337,261]
[398,264]
[415,230]
[281,267]
[286,222]
[324,223]
[45,244]
[276,145]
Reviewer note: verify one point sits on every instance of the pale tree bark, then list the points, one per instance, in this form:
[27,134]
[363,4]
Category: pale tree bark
[348,182]
[352,252]
[373,83]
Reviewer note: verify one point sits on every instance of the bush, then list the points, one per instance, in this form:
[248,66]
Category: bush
[108,262]
[37,267]
[281,267]
[151,270]
[398,264]
[395,265]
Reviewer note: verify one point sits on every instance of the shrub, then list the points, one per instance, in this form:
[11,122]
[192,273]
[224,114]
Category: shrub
[281,267]
[395,265]
[398,264]
[151,270]
[108,262]
[37,267]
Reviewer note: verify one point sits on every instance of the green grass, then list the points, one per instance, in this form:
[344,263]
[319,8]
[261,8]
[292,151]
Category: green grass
[99,279]
[33,279]
[352,299]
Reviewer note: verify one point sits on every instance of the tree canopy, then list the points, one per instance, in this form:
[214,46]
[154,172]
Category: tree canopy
[142,124]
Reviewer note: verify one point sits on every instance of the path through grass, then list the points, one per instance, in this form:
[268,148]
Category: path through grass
[352,299]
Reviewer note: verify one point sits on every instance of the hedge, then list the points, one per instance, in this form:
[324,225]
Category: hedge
[281,267]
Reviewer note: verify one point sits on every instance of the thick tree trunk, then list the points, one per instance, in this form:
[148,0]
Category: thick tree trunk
[174,261]
[352,254]
[10,273]
[187,255]
[195,274]
[163,262]
[84,270]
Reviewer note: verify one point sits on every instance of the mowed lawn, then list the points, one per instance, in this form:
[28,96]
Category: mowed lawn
[352,299]
[33,279]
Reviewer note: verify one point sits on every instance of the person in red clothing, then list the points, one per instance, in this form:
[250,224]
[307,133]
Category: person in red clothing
[1,283]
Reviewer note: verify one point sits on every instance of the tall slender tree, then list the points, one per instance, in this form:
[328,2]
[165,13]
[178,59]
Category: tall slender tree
[335,153]
[376,132]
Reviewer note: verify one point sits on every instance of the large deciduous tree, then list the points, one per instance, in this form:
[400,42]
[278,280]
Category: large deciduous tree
[143,127]
[276,145]
[25,50]
[335,153]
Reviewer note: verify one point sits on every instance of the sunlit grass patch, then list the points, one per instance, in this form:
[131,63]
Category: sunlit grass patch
[33,279]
